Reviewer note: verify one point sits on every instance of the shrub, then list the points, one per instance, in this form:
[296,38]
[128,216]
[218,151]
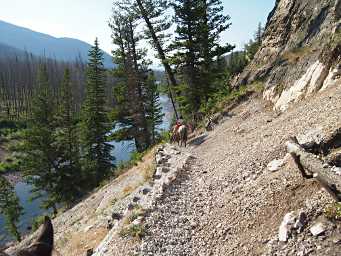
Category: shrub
[136,231]
[333,211]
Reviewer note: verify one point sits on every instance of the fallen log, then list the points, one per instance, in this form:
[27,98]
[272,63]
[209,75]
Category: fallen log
[311,167]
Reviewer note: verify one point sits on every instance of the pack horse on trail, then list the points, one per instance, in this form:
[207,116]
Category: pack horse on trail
[179,134]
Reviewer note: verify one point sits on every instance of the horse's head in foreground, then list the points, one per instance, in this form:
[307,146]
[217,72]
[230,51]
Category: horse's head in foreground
[43,246]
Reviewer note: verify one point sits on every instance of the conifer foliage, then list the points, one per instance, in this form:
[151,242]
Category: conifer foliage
[40,157]
[136,112]
[10,207]
[95,125]
[67,143]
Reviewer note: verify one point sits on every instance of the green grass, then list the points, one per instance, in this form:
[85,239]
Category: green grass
[135,231]
[138,211]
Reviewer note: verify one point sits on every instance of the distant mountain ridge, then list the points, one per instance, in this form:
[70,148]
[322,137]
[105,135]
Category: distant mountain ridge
[40,44]
[7,51]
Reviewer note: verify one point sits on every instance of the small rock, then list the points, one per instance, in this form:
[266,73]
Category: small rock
[109,225]
[137,221]
[337,240]
[88,228]
[145,191]
[275,165]
[301,221]
[286,226]
[89,252]
[157,177]
[337,170]
[131,207]
[116,216]
[136,199]
[193,224]
[318,229]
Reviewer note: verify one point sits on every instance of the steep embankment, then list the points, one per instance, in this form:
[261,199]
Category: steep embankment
[300,52]
[216,197]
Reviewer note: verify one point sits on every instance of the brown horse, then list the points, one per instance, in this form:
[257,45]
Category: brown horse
[180,135]
[43,245]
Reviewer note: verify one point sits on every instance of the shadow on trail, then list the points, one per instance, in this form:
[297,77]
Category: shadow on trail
[198,140]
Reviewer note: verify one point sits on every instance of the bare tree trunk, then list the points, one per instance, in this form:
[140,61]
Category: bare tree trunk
[312,167]
[160,51]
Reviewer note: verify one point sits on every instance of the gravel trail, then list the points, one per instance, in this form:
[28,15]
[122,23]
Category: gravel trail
[227,202]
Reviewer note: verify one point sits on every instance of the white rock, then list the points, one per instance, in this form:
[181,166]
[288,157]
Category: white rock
[306,85]
[286,226]
[318,229]
[88,228]
[337,170]
[137,221]
[275,165]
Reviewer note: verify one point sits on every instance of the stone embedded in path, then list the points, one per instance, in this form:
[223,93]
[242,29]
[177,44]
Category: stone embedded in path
[285,229]
[301,221]
[275,165]
[318,229]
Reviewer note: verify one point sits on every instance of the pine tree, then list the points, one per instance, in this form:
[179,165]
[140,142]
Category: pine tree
[198,51]
[157,22]
[154,108]
[67,143]
[259,34]
[187,50]
[131,75]
[212,24]
[253,46]
[95,126]
[40,158]
[10,207]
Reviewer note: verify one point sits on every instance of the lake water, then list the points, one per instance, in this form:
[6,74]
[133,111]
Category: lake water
[122,152]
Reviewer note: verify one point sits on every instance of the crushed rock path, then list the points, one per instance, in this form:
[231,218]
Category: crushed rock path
[226,202]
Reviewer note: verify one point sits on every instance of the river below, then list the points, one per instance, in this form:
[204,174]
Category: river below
[122,152]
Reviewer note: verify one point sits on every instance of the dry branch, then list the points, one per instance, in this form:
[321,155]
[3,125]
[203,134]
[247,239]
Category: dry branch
[312,167]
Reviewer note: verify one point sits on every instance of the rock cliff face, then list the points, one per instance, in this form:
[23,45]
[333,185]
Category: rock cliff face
[300,53]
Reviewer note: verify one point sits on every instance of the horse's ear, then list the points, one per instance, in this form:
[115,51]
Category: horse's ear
[46,235]
[44,243]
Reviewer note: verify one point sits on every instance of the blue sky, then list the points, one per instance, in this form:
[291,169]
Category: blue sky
[86,19]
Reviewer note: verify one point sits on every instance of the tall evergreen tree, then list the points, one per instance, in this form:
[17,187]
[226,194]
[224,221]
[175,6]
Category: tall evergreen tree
[212,24]
[95,125]
[153,107]
[67,143]
[10,207]
[157,22]
[198,51]
[41,160]
[131,72]
[187,50]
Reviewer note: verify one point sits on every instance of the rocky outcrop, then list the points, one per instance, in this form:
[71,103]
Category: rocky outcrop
[300,52]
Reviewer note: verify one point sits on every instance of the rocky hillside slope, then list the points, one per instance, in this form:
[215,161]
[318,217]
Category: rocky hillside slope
[223,195]
[300,53]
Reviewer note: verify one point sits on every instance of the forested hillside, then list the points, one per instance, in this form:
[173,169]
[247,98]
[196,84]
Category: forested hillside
[248,181]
